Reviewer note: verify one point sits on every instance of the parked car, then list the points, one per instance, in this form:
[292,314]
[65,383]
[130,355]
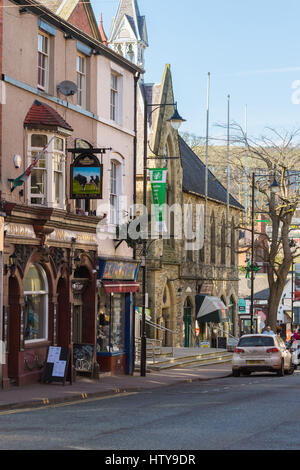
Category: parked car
[259,353]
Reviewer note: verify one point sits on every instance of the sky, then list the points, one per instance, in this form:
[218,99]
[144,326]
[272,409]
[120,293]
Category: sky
[251,49]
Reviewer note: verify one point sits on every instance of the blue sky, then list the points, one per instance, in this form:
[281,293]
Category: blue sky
[251,48]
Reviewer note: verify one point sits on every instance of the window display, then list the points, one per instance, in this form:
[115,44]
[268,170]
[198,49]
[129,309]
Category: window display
[36,304]
[111,322]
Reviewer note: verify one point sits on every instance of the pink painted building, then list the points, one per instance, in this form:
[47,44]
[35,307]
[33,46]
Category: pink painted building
[63,88]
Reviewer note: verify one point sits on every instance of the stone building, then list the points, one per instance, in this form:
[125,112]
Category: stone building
[176,272]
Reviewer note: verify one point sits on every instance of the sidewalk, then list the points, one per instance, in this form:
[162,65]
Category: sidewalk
[38,395]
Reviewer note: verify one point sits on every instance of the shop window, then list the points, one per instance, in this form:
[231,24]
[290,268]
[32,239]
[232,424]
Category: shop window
[36,304]
[111,322]
[46,184]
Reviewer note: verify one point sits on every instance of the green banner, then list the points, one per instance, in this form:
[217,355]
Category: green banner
[158,178]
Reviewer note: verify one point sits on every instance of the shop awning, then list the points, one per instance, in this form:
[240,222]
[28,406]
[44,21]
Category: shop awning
[122,287]
[210,309]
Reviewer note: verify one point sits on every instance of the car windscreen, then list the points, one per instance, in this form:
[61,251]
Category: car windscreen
[256,341]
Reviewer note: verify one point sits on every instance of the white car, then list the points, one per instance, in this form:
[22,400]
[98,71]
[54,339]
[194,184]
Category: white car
[260,353]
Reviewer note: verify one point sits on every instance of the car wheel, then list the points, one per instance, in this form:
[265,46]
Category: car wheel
[291,369]
[280,372]
[246,372]
[236,373]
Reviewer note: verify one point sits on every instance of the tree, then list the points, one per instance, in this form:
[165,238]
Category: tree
[277,158]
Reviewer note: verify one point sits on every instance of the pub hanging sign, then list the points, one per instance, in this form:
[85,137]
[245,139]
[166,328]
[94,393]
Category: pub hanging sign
[86,177]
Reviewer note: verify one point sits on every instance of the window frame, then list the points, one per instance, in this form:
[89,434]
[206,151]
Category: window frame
[46,55]
[45,294]
[81,75]
[48,197]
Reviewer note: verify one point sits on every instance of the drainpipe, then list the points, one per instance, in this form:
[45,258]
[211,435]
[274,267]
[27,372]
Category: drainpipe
[136,80]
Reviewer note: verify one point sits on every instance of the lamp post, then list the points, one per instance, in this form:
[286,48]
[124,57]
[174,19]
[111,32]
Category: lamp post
[274,187]
[176,120]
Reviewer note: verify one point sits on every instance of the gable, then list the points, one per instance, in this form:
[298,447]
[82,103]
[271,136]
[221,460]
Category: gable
[83,18]
[79,14]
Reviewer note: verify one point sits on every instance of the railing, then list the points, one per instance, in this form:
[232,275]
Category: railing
[233,338]
[154,346]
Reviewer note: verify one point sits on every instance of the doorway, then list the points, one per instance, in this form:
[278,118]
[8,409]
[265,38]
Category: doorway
[187,320]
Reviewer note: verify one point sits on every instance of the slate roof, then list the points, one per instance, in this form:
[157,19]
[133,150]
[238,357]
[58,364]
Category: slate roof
[42,114]
[194,177]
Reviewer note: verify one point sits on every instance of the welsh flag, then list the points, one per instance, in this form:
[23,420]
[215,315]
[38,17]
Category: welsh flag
[24,177]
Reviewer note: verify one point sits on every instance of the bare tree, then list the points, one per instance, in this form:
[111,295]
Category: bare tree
[276,159]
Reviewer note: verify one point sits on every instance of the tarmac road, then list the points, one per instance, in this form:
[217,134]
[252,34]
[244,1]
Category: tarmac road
[257,412]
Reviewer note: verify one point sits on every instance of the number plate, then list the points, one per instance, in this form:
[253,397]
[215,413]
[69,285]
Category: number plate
[255,362]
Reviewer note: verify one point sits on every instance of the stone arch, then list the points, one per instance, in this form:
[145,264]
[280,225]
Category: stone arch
[168,313]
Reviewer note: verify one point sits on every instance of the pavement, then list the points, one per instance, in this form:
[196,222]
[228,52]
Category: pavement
[40,394]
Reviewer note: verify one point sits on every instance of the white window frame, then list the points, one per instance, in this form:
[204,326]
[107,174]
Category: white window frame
[81,71]
[45,293]
[45,53]
[116,86]
[48,199]
[115,192]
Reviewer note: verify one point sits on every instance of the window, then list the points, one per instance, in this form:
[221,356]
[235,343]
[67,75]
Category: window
[114,218]
[114,97]
[43,61]
[223,242]
[46,184]
[81,80]
[232,255]
[212,240]
[36,304]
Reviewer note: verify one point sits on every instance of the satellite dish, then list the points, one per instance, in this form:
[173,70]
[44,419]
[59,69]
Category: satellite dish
[67,88]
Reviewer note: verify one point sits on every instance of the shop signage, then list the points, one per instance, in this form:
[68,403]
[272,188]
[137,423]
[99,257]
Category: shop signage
[83,238]
[139,312]
[118,270]
[158,178]
[19,230]
[297,282]
[86,177]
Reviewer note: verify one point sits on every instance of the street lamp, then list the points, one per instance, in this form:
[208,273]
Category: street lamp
[176,120]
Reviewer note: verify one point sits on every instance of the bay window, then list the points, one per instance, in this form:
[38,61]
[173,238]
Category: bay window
[47,180]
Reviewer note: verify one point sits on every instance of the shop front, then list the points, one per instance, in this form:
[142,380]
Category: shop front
[117,283]
[213,312]
[43,264]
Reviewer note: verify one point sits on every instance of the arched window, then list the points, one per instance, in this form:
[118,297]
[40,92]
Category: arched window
[223,242]
[36,304]
[232,314]
[212,239]
[232,243]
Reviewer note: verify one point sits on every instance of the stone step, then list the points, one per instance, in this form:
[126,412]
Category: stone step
[190,360]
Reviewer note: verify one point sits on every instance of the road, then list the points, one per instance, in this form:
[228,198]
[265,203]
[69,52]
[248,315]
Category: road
[246,413]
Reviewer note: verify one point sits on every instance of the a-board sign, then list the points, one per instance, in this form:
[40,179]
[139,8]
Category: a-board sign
[58,366]
[83,357]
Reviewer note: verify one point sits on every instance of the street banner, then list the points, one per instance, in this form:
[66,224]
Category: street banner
[297,282]
[158,178]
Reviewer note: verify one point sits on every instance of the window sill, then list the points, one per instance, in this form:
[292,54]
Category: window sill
[36,343]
